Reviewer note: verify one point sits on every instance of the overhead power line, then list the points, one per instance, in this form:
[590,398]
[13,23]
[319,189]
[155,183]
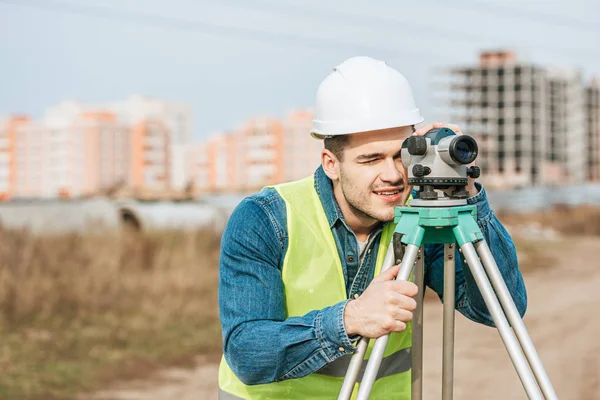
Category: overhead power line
[497,9]
[207,28]
[439,32]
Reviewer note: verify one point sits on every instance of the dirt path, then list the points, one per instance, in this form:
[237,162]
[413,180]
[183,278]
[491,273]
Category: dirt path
[198,383]
[563,320]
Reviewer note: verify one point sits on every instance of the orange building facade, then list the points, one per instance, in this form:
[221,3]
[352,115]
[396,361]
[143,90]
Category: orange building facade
[8,129]
[260,152]
[81,155]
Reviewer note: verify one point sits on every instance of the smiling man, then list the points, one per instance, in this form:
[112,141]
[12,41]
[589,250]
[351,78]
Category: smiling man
[297,286]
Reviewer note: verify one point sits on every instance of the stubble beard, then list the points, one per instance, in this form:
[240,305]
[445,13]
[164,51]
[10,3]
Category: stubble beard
[359,201]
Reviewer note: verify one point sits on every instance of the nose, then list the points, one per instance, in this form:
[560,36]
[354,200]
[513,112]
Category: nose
[392,172]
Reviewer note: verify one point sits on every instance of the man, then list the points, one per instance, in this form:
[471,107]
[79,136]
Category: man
[297,285]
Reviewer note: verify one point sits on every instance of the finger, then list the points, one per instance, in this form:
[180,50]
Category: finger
[423,129]
[437,125]
[402,315]
[399,326]
[405,287]
[455,128]
[402,301]
[393,325]
[387,275]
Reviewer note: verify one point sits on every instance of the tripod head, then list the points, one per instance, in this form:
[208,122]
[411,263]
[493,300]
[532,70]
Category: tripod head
[438,161]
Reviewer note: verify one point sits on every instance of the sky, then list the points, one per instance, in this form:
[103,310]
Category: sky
[233,59]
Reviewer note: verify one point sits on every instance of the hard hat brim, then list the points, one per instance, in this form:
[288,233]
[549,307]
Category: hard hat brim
[324,129]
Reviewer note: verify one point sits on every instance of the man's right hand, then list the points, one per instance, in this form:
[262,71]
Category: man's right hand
[386,306]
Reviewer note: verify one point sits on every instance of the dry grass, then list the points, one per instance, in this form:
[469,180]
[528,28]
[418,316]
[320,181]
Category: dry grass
[570,220]
[77,310]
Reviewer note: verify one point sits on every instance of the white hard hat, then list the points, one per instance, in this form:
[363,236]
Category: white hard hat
[363,94]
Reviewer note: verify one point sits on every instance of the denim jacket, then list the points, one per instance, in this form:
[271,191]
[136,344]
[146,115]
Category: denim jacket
[261,345]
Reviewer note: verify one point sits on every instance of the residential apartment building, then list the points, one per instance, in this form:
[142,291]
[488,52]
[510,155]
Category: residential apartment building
[301,152]
[223,172]
[76,150]
[8,128]
[210,165]
[259,152]
[151,163]
[6,153]
[66,157]
[196,158]
[176,120]
[528,120]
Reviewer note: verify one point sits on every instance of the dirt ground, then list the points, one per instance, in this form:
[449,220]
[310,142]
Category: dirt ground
[562,319]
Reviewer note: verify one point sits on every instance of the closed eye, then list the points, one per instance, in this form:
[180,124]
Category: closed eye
[368,158]
[374,157]
[371,161]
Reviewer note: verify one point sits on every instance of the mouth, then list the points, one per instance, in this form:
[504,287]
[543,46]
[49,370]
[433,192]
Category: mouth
[391,194]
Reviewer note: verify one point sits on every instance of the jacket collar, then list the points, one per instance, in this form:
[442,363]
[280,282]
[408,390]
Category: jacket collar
[324,188]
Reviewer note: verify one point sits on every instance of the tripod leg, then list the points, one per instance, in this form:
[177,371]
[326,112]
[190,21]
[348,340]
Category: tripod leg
[359,355]
[417,332]
[366,385]
[507,335]
[515,319]
[449,300]
[354,369]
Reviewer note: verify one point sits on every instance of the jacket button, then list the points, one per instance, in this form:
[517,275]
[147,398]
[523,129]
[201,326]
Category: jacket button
[350,259]
[356,295]
[341,349]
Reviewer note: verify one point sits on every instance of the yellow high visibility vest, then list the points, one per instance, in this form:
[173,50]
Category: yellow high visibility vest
[313,279]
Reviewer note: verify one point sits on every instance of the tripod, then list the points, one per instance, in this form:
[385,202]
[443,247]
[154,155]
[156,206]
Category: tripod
[449,222]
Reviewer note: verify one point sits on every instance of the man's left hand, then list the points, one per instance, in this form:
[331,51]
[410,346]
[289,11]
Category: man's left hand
[421,130]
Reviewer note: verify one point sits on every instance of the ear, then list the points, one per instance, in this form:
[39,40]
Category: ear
[330,164]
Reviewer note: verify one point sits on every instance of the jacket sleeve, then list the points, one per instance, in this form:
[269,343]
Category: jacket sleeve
[469,301]
[260,344]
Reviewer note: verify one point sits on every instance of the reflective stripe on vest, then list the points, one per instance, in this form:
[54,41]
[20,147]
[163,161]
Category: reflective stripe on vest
[313,279]
[223,395]
[395,363]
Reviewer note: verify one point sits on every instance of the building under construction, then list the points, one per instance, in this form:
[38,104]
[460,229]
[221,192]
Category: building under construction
[593,127]
[529,121]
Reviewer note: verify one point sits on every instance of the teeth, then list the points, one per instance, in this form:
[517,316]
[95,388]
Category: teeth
[389,193]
